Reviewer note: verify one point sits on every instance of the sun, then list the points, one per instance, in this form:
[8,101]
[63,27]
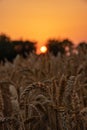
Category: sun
[43,49]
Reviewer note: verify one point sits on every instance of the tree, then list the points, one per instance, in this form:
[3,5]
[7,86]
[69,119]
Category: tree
[55,47]
[10,49]
[29,47]
[82,48]
[6,50]
[67,45]
[24,48]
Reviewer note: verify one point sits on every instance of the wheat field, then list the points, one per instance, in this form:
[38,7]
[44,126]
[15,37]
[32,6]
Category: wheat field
[44,92]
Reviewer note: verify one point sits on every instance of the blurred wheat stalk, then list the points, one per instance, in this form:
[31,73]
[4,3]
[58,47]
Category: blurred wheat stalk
[44,93]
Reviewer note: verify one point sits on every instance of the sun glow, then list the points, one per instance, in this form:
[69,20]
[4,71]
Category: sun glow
[39,21]
[43,49]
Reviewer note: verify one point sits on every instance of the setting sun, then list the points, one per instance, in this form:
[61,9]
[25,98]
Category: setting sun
[43,49]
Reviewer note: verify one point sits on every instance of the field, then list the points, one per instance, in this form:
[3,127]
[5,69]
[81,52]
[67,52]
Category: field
[44,92]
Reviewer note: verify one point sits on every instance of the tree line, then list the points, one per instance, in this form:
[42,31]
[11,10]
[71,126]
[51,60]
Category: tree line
[66,47]
[9,49]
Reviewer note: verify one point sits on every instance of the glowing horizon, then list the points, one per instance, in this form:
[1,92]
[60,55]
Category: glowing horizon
[40,20]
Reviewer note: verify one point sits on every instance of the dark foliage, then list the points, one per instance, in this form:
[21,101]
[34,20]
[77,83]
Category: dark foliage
[10,49]
[62,47]
[55,47]
[82,48]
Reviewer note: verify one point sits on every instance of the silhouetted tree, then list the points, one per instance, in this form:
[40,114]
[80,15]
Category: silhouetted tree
[67,45]
[24,48]
[28,47]
[6,49]
[55,47]
[10,49]
[82,48]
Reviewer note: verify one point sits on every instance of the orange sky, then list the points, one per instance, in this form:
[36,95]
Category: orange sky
[42,19]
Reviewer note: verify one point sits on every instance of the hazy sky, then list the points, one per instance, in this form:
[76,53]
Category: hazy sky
[42,19]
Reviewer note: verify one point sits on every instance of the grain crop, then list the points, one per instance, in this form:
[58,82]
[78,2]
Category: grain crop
[44,92]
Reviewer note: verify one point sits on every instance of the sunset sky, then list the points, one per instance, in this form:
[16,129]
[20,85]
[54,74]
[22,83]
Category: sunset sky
[40,20]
